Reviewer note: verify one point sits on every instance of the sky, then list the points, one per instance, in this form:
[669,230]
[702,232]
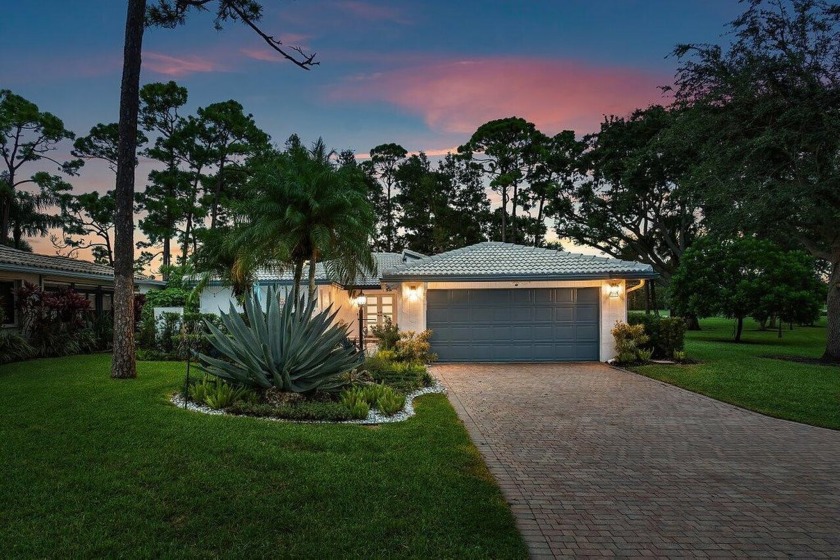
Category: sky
[424,74]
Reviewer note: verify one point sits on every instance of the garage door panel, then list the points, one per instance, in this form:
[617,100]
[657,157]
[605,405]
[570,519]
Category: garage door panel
[564,314]
[514,325]
[586,313]
[590,296]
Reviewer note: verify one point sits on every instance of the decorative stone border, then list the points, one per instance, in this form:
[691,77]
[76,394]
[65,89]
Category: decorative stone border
[373,416]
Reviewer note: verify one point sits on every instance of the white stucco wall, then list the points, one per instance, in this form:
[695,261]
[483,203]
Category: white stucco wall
[411,315]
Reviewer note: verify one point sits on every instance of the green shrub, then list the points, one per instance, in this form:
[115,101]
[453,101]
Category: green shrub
[218,395]
[644,354]
[288,346]
[405,376]
[14,347]
[386,334]
[667,334]
[375,395]
[355,402]
[390,402]
[307,410]
[680,356]
[629,341]
[167,329]
[414,347]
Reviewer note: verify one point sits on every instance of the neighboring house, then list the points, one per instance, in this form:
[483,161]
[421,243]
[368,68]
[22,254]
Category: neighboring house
[96,281]
[490,302]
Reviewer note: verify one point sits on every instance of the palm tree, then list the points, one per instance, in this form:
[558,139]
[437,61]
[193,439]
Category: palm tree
[300,208]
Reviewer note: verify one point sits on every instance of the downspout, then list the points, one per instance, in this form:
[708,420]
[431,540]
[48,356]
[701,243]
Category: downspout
[638,286]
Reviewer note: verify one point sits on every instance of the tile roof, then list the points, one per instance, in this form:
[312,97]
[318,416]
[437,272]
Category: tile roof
[499,261]
[384,262]
[15,259]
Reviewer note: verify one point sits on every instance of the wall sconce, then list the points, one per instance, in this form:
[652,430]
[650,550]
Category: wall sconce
[614,290]
[413,293]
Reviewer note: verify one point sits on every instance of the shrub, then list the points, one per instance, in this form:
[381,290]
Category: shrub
[667,334]
[629,340]
[390,402]
[387,334]
[355,402]
[680,356]
[288,346]
[14,347]
[218,394]
[413,347]
[405,376]
[306,410]
[51,321]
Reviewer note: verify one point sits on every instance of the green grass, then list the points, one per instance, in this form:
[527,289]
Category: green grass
[93,467]
[743,375]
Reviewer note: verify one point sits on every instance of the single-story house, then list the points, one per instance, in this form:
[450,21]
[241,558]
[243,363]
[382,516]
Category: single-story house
[96,281]
[489,302]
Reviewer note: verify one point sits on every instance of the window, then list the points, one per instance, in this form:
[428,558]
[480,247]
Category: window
[377,308]
[7,302]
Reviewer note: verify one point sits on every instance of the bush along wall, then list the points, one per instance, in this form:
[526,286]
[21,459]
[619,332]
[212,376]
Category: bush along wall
[666,334]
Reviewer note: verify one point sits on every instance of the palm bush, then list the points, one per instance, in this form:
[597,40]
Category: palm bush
[288,346]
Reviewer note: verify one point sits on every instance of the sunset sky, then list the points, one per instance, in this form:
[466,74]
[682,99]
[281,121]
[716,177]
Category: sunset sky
[423,74]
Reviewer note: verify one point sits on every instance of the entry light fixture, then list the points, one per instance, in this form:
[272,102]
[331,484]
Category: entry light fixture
[413,293]
[614,289]
[361,299]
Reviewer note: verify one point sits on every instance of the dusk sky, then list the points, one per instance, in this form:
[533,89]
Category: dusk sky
[422,74]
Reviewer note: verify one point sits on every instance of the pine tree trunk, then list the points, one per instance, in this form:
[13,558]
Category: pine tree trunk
[832,343]
[504,213]
[123,365]
[6,208]
[513,237]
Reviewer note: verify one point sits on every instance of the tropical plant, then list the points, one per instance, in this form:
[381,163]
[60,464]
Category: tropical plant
[287,346]
[300,209]
[355,400]
[667,334]
[14,347]
[218,394]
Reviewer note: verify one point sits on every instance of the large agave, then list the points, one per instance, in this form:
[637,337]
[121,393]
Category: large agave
[287,346]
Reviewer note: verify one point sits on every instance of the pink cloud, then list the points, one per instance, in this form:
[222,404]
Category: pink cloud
[180,65]
[372,12]
[457,96]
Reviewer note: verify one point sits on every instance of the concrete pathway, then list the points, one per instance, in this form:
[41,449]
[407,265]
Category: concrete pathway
[598,462]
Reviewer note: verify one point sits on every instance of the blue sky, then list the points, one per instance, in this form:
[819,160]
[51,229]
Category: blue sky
[423,74]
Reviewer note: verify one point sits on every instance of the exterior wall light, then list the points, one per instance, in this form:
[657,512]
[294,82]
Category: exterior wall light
[413,293]
[614,290]
[361,299]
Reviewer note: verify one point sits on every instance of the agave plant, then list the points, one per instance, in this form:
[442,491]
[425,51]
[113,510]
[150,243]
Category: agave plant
[288,346]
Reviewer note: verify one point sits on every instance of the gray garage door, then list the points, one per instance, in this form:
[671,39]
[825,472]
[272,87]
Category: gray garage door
[527,325]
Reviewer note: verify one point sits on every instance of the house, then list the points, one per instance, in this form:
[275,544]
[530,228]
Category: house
[489,302]
[96,281]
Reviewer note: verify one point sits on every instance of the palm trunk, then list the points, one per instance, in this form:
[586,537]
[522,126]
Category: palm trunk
[297,277]
[123,365]
[312,263]
[832,343]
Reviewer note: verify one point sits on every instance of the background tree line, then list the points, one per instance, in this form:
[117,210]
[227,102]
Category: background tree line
[747,148]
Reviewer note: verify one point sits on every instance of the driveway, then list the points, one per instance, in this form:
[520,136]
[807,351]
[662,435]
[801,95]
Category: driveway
[600,462]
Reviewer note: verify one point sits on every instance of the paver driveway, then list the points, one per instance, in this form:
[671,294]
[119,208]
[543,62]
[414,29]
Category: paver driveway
[600,462]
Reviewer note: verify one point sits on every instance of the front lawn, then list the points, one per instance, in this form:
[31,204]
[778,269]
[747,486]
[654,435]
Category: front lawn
[93,467]
[745,375]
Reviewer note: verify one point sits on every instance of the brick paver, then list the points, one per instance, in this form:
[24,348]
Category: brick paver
[598,462]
